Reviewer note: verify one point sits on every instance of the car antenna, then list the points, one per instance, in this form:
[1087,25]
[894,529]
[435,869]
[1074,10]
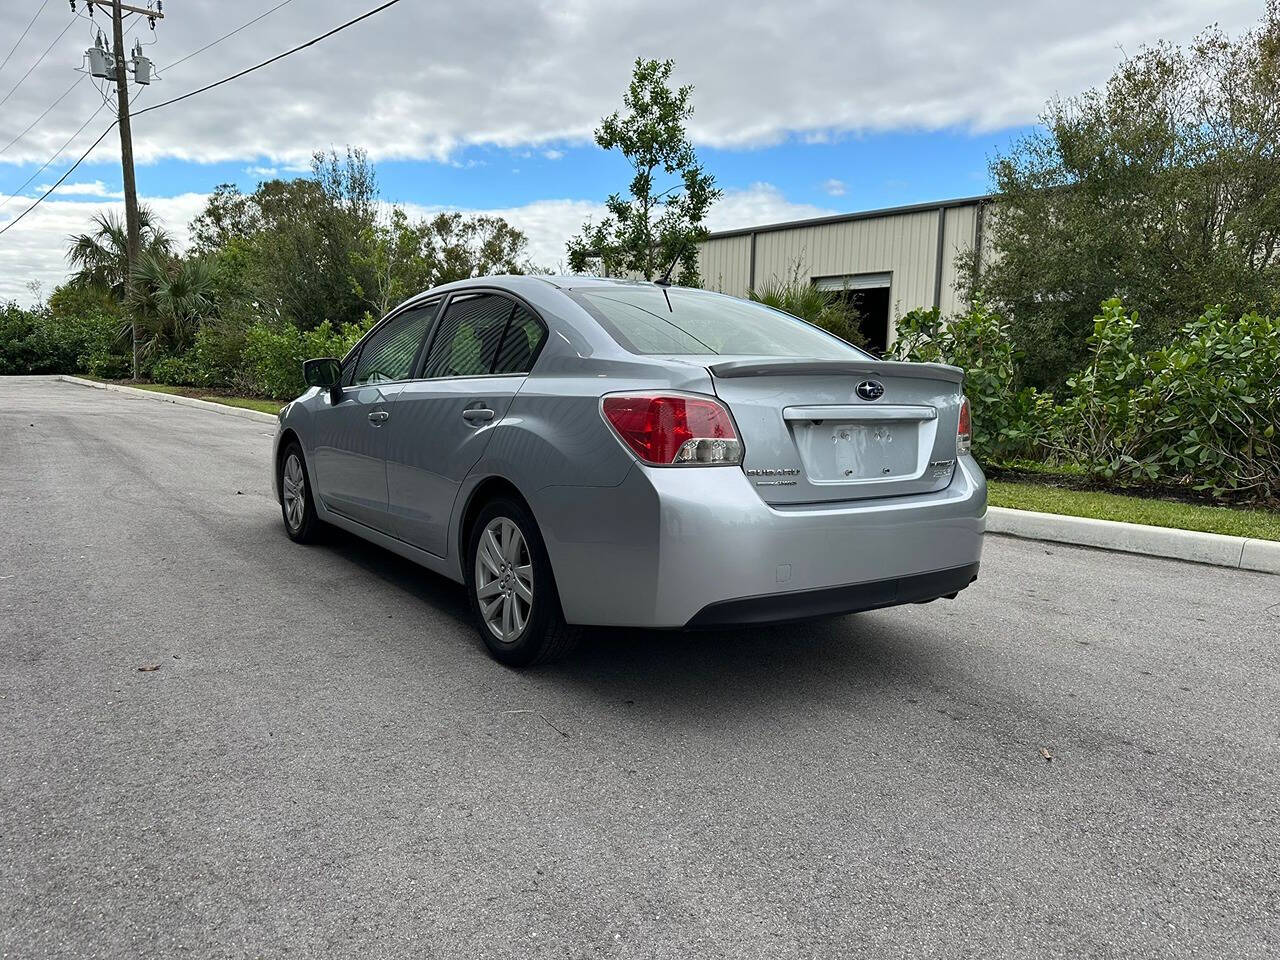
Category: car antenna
[665,280]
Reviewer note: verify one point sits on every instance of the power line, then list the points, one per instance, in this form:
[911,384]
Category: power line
[18,42]
[225,36]
[15,87]
[78,80]
[156,106]
[75,83]
[267,63]
[59,182]
[57,153]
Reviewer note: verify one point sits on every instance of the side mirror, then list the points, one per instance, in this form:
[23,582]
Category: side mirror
[325,373]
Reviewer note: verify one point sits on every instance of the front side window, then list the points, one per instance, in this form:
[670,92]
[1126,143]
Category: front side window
[649,320]
[466,341]
[389,352]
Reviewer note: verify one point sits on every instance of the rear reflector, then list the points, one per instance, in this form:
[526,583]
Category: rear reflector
[963,430]
[666,430]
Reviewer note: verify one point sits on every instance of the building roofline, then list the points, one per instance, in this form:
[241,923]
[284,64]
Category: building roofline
[850,217]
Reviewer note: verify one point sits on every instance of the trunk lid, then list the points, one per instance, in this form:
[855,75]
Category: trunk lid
[830,430]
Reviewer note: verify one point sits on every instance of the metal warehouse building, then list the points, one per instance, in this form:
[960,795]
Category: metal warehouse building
[888,261]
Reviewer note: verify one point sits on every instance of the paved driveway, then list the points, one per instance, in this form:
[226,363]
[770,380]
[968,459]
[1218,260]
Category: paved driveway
[327,763]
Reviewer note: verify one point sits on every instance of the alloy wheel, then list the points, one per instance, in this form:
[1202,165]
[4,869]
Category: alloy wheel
[504,579]
[294,489]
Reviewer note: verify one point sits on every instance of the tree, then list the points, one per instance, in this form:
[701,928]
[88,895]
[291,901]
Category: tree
[228,215]
[1163,187]
[670,192]
[100,257]
[405,256]
[325,247]
[172,298]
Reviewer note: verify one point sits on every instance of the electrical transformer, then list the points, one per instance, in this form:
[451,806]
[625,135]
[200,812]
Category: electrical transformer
[101,64]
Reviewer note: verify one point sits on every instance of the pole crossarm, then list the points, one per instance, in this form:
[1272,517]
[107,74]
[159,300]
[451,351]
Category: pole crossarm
[145,11]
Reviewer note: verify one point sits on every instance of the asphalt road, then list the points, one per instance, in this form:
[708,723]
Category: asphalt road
[327,763]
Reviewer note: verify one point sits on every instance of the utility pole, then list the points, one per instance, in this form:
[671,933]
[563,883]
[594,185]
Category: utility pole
[110,64]
[126,162]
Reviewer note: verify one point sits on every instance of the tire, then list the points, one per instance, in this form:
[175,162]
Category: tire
[519,618]
[300,522]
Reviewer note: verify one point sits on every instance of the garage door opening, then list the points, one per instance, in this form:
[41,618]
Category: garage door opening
[868,293]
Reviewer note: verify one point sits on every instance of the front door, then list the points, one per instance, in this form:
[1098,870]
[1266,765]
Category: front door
[349,457]
[441,424]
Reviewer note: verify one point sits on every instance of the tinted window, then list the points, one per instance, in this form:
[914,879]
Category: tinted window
[466,341]
[349,369]
[643,320]
[520,343]
[389,352]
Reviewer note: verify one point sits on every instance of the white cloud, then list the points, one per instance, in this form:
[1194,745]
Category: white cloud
[834,187]
[413,83]
[759,204]
[550,223]
[553,154]
[265,172]
[35,249]
[92,188]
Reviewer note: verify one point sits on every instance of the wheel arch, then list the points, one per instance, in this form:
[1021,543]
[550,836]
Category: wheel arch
[287,436]
[485,491]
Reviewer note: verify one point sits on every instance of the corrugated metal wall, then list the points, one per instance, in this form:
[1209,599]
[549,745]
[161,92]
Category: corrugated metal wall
[903,244]
[725,265]
[957,240]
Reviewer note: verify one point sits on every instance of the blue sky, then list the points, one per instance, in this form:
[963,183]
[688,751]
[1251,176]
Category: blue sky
[849,172]
[803,107]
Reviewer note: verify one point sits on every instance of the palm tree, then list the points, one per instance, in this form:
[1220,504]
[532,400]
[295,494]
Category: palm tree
[171,298]
[829,309]
[101,257]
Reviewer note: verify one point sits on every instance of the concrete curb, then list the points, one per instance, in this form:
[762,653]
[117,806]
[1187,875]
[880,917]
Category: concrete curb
[1239,553]
[221,408]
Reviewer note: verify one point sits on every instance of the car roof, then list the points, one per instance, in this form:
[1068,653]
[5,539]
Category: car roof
[526,282]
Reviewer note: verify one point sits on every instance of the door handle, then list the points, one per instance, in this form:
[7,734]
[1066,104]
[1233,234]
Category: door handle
[477,414]
[379,417]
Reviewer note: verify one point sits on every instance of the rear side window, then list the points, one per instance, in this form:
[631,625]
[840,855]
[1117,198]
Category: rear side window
[468,338]
[520,343]
[389,352]
[649,320]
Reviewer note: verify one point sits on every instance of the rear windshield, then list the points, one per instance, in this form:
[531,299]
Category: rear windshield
[645,321]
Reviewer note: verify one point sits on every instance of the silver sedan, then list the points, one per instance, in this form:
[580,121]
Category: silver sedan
[581,451]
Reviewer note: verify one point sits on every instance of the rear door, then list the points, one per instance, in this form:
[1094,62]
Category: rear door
[831,430]
[478,356]
[350,436]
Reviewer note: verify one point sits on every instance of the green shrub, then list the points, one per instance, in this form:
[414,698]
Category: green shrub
[1100,426]
[178,370]
[1200,413]
[273,354]
[1009,421]
[47,340]
[1210,406]
[217,356]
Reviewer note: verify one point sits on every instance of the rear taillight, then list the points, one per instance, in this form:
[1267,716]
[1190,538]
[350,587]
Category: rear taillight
[674,430]
[963,430]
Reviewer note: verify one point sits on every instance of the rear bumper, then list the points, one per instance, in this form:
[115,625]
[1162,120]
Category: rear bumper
[833,601]
[698,547]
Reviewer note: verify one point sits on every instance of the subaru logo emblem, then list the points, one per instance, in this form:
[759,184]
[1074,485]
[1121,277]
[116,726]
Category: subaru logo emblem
[870,390]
